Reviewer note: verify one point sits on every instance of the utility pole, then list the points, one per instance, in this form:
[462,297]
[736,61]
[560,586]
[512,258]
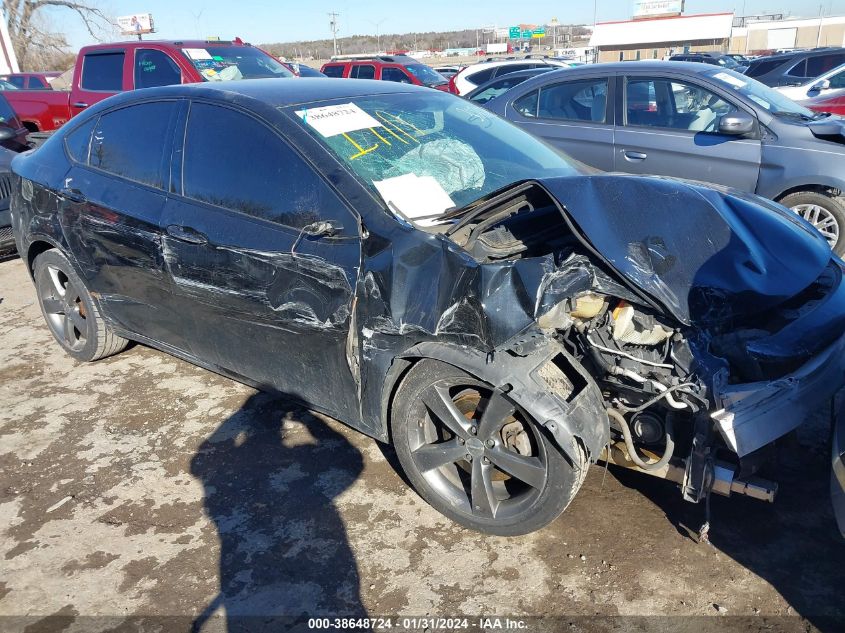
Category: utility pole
[333,26]
[378,37]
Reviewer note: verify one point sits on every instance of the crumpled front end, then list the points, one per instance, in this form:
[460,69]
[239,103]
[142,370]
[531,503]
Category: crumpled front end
[712,324]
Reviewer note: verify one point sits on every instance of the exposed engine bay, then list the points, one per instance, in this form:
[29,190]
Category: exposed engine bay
[664,382]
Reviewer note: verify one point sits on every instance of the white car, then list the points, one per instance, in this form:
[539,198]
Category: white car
[473,76]
[831,80]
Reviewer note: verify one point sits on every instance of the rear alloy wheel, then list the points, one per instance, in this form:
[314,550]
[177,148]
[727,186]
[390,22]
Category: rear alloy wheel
[70,312]
[476,456]
[824,212]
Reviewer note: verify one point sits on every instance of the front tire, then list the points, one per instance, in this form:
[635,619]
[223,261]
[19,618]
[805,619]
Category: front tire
[70,312]
[476,456]
[824,212]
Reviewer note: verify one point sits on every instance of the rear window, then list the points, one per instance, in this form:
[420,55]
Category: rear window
[103,71]
[118,148]
[78,141]
[822,63]
[799,69]
[333,71]
[479,77]
[762,68]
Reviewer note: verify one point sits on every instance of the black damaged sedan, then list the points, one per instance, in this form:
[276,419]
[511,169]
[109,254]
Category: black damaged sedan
[429,274]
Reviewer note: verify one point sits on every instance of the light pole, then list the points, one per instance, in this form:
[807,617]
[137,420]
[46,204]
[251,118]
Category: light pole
[378,37]
[333,26]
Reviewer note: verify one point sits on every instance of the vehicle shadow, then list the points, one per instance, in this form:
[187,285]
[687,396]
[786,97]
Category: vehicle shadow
[793,543]
[271,472]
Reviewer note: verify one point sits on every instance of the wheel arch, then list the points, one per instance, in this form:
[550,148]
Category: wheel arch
[829,190]
[37,246]
[580,420]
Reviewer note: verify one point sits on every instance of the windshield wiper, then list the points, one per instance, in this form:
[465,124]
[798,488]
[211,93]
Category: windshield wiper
[794,115]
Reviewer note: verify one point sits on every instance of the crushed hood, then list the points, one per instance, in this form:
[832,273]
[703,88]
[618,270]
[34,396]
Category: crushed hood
[828,129]
[706,254]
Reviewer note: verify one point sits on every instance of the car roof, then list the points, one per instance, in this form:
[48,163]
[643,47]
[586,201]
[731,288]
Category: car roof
[508,62]
[784,57]
[646,65]
[274,91]
[379,59]
[173,43]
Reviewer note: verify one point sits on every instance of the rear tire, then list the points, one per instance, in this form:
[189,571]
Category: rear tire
[497,473]
[70,312]
[824,212]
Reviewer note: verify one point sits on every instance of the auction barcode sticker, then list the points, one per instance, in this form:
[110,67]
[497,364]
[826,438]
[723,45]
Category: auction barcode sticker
[337,119]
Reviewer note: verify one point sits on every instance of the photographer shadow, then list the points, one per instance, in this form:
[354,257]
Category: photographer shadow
[271,472]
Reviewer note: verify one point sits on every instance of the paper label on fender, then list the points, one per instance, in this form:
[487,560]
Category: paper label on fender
[337,119]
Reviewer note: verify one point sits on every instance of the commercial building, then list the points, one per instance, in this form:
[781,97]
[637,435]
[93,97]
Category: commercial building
[659,37]
[772,35]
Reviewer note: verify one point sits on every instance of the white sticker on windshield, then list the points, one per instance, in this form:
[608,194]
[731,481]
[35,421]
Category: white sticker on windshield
[419,198]
[197,53]
[337,119]
[736,82]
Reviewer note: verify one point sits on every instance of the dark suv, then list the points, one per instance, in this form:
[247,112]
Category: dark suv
[399,68]
[716,59]
[795,69]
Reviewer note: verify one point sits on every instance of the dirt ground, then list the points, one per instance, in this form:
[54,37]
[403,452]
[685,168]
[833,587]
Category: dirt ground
[140,487]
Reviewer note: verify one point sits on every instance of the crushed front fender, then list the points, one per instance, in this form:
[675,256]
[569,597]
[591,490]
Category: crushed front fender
[541,377]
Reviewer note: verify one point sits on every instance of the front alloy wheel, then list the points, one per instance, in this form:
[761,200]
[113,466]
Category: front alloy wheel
[476,456]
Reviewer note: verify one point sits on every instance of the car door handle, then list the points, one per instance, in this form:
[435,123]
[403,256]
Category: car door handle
[186,234]
[73,195]
[634,157]
[79,104]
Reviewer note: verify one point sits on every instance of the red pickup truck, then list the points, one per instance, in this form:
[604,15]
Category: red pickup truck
[105,69]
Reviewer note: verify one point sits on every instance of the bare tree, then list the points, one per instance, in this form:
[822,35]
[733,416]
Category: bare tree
[35,44]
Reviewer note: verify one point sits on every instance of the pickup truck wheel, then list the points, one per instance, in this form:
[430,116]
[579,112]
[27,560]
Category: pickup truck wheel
[70,312]
[476,456]
[824,212]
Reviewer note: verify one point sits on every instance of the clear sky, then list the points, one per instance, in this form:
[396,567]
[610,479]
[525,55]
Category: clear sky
[264,21]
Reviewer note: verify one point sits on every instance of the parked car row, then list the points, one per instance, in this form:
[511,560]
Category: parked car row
[691,121]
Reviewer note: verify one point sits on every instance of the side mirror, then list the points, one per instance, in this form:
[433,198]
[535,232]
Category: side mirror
[7,134]
[824,84]
[736,124]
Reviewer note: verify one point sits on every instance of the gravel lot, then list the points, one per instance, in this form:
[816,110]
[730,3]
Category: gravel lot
[143,486]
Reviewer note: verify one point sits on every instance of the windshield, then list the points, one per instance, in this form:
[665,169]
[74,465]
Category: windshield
[427,153]
[428,76]
[771,100]
[225,63]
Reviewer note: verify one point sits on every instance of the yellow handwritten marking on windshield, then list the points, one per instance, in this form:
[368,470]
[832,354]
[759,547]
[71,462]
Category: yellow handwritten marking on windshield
[394,121]
[383,140]
[361,150]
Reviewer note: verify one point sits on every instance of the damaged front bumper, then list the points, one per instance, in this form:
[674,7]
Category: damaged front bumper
[837,477]
[755,414]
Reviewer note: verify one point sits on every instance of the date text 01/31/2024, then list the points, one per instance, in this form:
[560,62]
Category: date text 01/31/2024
[417,624]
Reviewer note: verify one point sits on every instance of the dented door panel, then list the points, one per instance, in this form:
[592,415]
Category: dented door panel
[114,233]
[261,302]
